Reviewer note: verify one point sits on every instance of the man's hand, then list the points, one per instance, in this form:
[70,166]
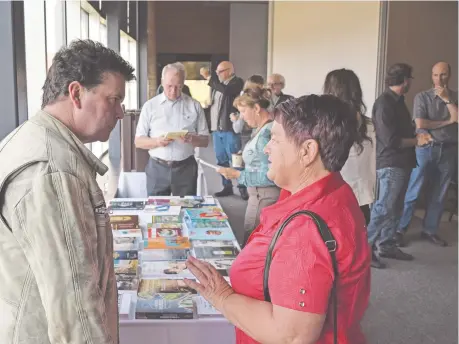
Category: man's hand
[204,73]
[423,139]
[229,173]
[162,141]
[442,93]
[234,117]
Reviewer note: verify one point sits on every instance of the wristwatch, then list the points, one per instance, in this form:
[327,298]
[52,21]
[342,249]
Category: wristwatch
[448,102]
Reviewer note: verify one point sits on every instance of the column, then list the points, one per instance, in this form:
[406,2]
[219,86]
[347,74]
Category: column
[113,42]
[13,88]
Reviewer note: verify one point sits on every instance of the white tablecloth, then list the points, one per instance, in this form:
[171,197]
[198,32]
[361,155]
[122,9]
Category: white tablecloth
[197,331]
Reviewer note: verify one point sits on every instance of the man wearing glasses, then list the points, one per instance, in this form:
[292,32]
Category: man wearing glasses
[276,84]
[226,86]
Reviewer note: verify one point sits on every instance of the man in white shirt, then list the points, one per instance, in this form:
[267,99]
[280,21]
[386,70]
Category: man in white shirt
[172,167]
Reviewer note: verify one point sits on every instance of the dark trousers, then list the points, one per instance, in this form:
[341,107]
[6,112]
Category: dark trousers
[366,213]
[180,178]
[226,143]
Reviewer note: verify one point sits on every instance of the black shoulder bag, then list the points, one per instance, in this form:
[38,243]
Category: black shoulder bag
[329,241]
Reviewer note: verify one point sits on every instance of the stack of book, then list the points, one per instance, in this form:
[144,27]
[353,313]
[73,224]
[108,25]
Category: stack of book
[127,239]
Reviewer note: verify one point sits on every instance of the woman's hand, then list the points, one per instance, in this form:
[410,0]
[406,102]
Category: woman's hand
[212,286]
[229,173]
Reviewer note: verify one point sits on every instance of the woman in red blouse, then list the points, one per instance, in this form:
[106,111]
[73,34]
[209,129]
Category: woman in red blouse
[311,139]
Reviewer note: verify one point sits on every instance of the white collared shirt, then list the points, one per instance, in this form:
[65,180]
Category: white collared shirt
[160,115]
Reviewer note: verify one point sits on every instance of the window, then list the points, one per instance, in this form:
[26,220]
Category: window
[84,24]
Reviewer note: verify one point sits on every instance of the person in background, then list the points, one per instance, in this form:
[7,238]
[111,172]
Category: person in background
[276,83]
[305,160]
[172,167]
[56,267]
[240,126]
[226,86]
[395,158]
[435,112]
[359,171]
[185,88]
[252,106]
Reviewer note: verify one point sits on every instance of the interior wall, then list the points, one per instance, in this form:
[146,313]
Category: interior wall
[421,33]
[309,39]
[249,38]
[192,27]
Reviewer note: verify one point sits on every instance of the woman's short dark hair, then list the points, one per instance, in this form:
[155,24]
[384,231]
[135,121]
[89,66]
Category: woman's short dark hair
[326,119]
[397,73]
[84,61]
[345,84]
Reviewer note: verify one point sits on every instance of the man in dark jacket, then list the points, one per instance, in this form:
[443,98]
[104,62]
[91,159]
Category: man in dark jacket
[226,86]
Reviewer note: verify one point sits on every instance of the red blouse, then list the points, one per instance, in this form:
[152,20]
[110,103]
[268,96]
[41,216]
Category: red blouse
[301,262]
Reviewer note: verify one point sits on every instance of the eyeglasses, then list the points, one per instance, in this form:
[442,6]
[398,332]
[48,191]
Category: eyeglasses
[221,71]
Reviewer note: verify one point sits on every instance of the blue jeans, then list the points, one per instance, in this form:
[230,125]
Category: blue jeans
[436,165]
[388,207]
[226,143]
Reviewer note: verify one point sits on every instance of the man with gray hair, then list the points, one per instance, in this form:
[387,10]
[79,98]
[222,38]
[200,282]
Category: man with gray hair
[172,167]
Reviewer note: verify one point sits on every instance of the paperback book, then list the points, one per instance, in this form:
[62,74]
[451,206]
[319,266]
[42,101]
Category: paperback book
[126,205]
[129,267]
[215,252]
[165,306]
[160,255]
[165,269]
[177,243]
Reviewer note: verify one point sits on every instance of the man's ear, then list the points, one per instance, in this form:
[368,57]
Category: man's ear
[75,93]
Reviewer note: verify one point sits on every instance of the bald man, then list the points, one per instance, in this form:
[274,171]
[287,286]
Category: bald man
[226,86]
[435,111]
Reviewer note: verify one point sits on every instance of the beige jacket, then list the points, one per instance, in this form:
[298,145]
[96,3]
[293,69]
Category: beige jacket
[57,282]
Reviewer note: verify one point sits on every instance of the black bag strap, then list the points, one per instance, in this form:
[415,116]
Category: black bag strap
[329,241]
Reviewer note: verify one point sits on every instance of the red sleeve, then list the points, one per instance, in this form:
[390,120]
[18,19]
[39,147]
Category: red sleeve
[301,273]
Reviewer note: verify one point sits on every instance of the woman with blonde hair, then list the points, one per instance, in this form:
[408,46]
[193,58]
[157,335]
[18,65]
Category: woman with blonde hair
[252,106]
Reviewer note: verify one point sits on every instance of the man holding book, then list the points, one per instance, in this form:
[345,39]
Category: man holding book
[171,126]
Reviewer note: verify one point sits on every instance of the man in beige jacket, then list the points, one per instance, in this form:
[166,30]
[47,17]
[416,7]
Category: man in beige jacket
[56,249]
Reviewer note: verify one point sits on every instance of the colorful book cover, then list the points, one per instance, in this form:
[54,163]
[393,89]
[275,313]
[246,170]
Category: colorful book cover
[164,232]
[166,219]
[126,205]
[211,234]
[149,287]
[165,269]
[215,252]
[124,221]
[160,255]
[128,267]
[130,285]
[125,255]
[177,243]
[165,306]
[127,233]
[207,213]
[175,135]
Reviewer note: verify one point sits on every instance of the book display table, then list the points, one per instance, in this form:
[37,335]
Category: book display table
[171,328]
